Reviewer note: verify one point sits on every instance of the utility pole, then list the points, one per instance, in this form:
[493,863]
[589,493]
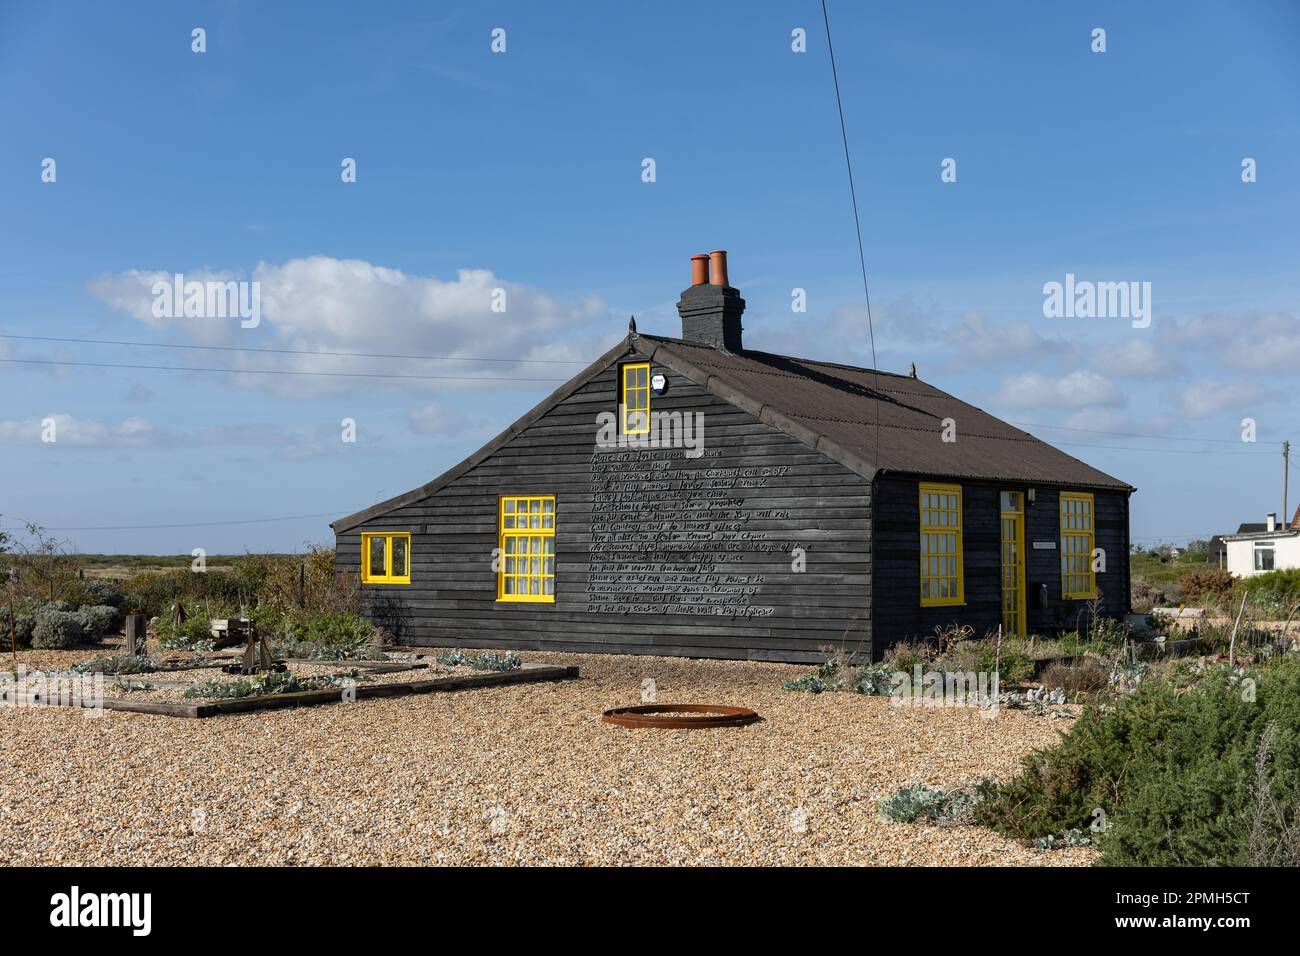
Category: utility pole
[1286,467]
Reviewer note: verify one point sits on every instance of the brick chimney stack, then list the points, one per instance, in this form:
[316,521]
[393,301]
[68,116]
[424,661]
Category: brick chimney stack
[710,308]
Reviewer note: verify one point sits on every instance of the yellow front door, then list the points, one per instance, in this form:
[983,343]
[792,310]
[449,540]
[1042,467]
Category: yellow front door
[1013,562]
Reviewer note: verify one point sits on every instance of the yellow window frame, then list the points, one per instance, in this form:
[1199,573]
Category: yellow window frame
[391,575]
[635,399]
[526,541]
[1078,538]
[942,571]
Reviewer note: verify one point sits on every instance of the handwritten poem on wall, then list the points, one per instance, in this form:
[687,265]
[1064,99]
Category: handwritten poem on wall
[669,534]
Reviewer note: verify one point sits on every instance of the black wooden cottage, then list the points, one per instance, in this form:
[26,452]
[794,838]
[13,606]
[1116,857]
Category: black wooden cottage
[692,497]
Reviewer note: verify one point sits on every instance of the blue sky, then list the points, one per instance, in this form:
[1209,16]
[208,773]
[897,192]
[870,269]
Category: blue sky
[522,170]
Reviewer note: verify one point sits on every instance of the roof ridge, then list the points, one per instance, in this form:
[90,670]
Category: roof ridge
[744,353]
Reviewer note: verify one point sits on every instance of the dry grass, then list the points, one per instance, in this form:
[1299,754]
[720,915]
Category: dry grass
[524,774]
[1080,679]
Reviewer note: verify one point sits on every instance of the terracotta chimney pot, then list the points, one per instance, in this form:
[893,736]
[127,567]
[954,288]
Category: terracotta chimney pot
[699,270]
[718,259]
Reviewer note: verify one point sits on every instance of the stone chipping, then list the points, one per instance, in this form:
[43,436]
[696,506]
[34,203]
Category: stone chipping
[523,774]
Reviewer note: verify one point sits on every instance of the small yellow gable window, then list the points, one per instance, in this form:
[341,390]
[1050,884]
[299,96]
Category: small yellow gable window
[636,399]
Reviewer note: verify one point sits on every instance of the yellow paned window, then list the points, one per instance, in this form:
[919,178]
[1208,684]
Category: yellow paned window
[942,575]
[386,557]
[1077,537]
[527,557]
[636,399]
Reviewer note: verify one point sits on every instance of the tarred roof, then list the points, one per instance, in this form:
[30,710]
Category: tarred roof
[890,423]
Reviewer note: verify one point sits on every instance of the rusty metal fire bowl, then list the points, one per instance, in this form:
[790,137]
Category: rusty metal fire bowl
[680,716]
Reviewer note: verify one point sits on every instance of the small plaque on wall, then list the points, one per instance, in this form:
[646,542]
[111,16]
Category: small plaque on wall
[1044,545]
[659,384]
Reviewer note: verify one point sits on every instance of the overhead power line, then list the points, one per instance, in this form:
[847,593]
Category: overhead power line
[1165,451]
[857,221]
[279,371]
[1094,431]
[249,348]
[194,524]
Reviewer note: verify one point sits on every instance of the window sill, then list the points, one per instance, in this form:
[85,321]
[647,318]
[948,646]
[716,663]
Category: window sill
[960,602]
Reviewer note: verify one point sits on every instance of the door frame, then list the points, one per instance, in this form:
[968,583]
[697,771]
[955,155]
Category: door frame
[1019,517]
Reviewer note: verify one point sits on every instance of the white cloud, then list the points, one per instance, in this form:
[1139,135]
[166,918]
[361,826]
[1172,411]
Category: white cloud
[1204,398]
[1100,420]
[903,330]
[433,420]
[1139,358]
[1079,389]
[131,293]
[976,339]
[320,304]
[83,433]
[1270,342]
[139,433]
[1247,342]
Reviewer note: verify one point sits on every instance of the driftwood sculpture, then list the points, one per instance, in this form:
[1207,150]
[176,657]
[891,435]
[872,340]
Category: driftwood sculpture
[256,658]
[135,632]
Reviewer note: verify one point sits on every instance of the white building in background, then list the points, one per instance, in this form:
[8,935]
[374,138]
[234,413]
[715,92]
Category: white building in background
[1258,549]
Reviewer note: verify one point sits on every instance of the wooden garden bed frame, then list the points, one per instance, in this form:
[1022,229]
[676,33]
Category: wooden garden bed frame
[525,674]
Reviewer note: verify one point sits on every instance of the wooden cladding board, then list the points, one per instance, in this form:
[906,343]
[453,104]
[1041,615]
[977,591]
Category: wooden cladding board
[897,612]
[658,552]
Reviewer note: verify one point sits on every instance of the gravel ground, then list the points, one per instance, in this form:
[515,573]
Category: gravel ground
[525,774]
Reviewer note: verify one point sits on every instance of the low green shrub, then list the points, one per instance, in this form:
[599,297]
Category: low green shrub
[809,683]
[1014,665]
[99,591]
[905,655]
[99,619]
[154,593]
[117,664]
[839,673]
[335,627]
[1079,680]
[57,630]
[1212,587]
[329,636]
[193,634]
[45,606]
[912,803]
[1284,585]
[1069,838]
[956,807]
[489,661]
[23,625]
[874,680]
[1170,770]
[272,682]
[482,660]
[1108,632]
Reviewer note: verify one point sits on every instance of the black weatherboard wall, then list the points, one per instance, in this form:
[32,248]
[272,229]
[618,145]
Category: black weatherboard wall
[795,498]
[897,611]
[797,528]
